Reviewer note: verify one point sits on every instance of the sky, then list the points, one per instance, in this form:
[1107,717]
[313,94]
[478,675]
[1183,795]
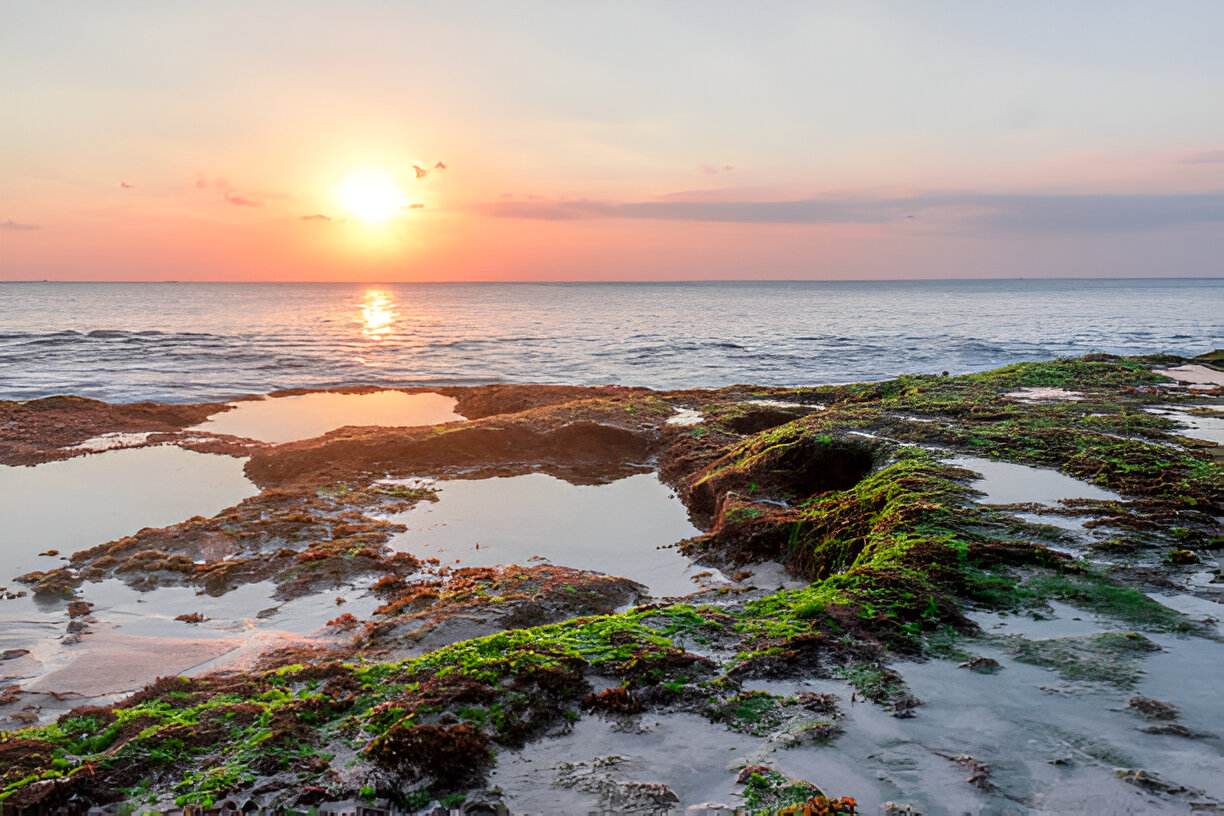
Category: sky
[670,140]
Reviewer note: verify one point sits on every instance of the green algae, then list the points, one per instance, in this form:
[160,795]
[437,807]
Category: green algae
[889,556]
[879,684]
[806,717]
[1096,593]
[754,712]
[1106,437]
[767,790]
[1108,657]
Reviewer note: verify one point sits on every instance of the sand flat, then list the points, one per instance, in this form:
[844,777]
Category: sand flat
[112,663]
[1193,374]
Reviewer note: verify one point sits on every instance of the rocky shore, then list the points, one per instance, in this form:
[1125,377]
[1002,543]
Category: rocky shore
[867,628]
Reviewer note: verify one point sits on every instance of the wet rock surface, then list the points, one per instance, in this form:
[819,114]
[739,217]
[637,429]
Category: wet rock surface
[43,430]
[424,680]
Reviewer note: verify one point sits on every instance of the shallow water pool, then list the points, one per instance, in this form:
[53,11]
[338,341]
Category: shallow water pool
[1009,483]
[288,419]
[616,528]
[74,504]
[1207,425]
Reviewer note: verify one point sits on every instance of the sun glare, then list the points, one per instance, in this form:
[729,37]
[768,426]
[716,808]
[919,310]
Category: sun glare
[378,312]
[372,197]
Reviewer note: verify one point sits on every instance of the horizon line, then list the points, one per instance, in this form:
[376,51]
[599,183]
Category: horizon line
[632,281]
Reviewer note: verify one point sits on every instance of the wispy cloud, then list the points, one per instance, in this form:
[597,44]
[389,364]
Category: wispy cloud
[715,169]
[233,195]
[1095,213]
[316,217]
[13,226]
[242,201]
[1005,212]
[804,211]
[1205,157]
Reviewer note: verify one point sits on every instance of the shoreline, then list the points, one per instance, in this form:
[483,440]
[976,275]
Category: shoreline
[896,561]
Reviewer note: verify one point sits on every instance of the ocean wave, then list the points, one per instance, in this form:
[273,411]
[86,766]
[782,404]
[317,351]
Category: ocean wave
[139,343]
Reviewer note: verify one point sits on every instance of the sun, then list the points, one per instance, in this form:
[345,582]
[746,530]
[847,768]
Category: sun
[372,197]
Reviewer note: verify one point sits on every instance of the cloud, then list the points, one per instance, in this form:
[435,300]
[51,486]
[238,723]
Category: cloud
[806,211]
[242,201]
[125,185]
[316,217]
[1135,212]
[713,170]
[1205,157]
[13,226]
[232,195]
[999,212]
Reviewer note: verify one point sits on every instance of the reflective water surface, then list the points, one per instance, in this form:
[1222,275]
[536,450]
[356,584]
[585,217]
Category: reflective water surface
[1008,483]
[288,419]
[1206,424]
[78,503]
[615,528]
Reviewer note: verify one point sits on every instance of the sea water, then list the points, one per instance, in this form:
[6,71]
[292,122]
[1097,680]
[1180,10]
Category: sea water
[203,341]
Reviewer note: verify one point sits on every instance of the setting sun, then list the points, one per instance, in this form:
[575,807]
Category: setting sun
[372,197]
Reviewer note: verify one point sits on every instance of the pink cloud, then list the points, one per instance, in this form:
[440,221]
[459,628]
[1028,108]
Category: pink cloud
[232,195]
[13,226]
[241,201]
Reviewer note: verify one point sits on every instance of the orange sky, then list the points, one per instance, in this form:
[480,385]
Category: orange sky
[635,141]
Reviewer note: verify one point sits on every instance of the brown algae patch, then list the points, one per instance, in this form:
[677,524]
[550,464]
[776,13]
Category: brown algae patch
[303,539]
[42,430]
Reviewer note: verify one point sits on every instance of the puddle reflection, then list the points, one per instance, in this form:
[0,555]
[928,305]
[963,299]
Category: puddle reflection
[288,419]
[78,503]
[1009,483]
[1208,425]
[615,528]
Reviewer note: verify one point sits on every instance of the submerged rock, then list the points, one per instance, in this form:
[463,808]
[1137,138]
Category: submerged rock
[612,792]
[981,665]
[1153,709]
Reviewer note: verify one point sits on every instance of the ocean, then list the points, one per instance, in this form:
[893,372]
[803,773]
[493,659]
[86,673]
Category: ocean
[186,342]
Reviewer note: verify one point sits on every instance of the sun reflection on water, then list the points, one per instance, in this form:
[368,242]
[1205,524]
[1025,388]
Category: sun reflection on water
[378,312]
